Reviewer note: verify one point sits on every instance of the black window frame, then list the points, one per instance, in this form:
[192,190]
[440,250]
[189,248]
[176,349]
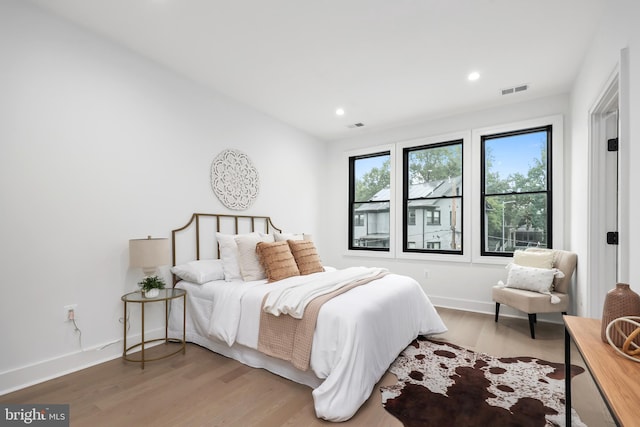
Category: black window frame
[352,201]
[406,200]
[549,187]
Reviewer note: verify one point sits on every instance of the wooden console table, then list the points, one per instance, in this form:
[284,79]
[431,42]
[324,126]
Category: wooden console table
[616,377]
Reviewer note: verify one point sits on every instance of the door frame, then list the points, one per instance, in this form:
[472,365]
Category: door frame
[603,270]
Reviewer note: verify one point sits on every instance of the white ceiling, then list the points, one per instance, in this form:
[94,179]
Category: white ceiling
[386,62]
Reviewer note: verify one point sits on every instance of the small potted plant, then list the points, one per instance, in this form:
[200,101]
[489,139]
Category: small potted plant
[150,286]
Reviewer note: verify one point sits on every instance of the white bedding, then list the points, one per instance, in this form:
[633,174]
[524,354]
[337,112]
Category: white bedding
[292,295]
[358,334]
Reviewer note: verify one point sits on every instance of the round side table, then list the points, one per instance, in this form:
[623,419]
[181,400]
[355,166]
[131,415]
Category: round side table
[165,295]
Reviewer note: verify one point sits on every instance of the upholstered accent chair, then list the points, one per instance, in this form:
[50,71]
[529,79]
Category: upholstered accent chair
[532,302]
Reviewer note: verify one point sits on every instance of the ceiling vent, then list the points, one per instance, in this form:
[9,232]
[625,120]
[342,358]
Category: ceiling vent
[514,89]
[355,125]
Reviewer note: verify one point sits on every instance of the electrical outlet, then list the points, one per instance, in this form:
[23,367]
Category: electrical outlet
[67,309]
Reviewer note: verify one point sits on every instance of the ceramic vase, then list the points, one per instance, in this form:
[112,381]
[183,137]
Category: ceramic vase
[619,302]
[151,293]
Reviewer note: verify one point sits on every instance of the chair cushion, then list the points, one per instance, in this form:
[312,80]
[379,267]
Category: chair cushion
[529,302]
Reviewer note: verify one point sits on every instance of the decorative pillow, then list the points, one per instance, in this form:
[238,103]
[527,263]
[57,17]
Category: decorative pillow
[283,237]
[229,255]
[277,260]
[306,256]
[538,259]
[201,271]
[248,261]
[531,278]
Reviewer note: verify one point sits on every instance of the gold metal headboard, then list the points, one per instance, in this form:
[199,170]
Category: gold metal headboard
[205,240]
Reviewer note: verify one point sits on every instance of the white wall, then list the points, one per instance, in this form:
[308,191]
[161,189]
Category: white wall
[97,146]
[453,284]
[619,29]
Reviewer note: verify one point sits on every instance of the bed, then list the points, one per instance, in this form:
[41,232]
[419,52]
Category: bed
[357,335]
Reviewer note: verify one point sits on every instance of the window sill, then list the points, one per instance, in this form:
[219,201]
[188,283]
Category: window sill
[370,254]
[458,259]
[416,256]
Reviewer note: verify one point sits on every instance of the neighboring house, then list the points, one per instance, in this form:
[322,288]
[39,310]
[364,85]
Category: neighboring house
[432,217]
[371,222]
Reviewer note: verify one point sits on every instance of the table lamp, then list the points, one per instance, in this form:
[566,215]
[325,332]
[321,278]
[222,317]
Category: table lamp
[149,254]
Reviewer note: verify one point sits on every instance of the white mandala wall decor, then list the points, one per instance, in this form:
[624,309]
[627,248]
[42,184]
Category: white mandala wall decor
[234,179]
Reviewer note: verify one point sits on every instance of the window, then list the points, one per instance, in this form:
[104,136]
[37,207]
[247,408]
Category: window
[516,190]
[369,201]
[412,217]
[468,196]
[433,217]
[432,184]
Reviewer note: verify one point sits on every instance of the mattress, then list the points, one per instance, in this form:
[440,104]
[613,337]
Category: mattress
[358,334]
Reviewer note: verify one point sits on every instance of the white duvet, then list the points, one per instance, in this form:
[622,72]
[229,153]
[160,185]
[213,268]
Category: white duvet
[292,296]
[358,334]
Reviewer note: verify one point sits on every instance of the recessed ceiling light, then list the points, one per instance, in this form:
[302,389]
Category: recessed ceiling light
[473,76]
[340,112]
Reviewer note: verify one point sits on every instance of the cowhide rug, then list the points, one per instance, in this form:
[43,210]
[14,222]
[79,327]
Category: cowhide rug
[441,384]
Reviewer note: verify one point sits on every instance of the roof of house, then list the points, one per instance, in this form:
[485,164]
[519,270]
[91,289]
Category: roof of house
[424,194]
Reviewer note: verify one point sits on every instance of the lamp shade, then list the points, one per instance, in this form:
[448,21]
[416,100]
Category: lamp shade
[148,253]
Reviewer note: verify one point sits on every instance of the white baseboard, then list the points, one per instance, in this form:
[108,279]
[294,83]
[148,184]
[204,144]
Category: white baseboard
[463,304]
[489,308]
[45,370]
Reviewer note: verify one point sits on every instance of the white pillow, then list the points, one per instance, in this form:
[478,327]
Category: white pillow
[538,259]
[283,237]
[201,271]
[248,261]
[229,256]
[531,278]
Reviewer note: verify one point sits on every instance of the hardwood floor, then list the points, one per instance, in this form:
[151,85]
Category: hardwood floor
[202,388]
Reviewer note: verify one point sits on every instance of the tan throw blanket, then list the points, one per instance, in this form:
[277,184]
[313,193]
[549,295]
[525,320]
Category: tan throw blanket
[290,339]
